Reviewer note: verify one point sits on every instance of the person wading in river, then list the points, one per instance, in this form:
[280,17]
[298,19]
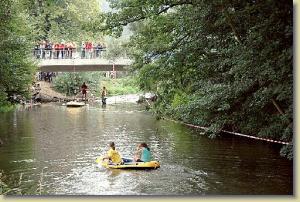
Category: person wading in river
[83,90]
[103,95]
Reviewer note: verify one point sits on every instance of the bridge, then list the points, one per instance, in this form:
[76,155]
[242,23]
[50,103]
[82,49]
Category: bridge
[78,65]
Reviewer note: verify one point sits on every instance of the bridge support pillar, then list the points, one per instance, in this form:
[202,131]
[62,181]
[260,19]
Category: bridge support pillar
[114,72]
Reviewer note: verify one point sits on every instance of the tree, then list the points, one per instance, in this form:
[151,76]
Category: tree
[70,83]
[58,20]
[221,64]
[116,48]
[16,68]
[23,23]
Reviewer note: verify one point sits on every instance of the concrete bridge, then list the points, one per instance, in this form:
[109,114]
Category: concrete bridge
[78,65]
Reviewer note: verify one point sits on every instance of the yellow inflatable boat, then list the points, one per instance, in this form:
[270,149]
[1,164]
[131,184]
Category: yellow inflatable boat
[128,164]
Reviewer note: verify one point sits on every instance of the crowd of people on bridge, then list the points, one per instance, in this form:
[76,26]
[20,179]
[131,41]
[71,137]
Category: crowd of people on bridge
[91,50]
[68,50]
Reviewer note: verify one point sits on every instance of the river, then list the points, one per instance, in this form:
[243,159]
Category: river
[51,150]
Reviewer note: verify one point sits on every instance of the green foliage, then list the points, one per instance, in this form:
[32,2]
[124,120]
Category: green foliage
[116,48]
[287,151]
[120,86]
[7,189]
[16,68]
[24,22]
[70,83]
[6,107]
[221,64]
[3,188]
[59,20]
[180,98]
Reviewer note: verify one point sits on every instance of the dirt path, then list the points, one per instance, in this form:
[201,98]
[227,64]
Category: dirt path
[48,94]
[47,90]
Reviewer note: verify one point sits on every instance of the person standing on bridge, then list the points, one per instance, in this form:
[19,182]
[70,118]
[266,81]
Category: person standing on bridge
[82,50]
[84,90]
[56,50]
[62,49]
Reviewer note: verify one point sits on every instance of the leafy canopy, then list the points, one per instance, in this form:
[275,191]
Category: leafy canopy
[221,64]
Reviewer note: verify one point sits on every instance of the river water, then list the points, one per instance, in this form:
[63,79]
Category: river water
[51,150]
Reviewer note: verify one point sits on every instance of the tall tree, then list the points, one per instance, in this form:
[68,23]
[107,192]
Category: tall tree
[16,68]
[58,20]
[222,64]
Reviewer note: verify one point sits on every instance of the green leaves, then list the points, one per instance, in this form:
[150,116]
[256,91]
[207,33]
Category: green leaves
[218,64]
[64,20]
[70,83]
[16,69]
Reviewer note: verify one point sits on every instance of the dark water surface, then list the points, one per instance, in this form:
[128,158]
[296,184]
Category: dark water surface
[54,148]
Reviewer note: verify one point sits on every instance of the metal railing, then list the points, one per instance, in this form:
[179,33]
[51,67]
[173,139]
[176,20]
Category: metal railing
[69,53]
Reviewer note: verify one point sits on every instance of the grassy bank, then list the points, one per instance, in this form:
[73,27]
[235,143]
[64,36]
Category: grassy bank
[120,86]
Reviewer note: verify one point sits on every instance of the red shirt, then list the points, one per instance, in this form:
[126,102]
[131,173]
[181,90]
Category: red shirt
[89,45]
[61,46]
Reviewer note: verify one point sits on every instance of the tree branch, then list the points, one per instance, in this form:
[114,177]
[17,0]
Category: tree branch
[277,107]
[230,23]
[142,16]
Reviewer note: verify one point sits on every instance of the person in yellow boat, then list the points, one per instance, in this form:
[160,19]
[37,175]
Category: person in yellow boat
[113,155]
[143,153]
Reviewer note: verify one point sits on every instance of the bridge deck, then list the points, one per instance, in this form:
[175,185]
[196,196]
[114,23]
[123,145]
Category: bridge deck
[77,65]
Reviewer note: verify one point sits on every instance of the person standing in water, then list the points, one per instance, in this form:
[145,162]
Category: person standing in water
[103,95]
[84,90]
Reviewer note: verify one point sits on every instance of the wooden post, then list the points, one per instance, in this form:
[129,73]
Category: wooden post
[114,72]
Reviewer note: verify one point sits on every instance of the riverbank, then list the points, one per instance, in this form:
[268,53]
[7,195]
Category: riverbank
[46,93]
[6,108]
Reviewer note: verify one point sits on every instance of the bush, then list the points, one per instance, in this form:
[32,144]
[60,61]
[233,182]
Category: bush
[69,83]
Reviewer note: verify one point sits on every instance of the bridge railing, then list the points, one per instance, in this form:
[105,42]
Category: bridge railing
[70,53]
